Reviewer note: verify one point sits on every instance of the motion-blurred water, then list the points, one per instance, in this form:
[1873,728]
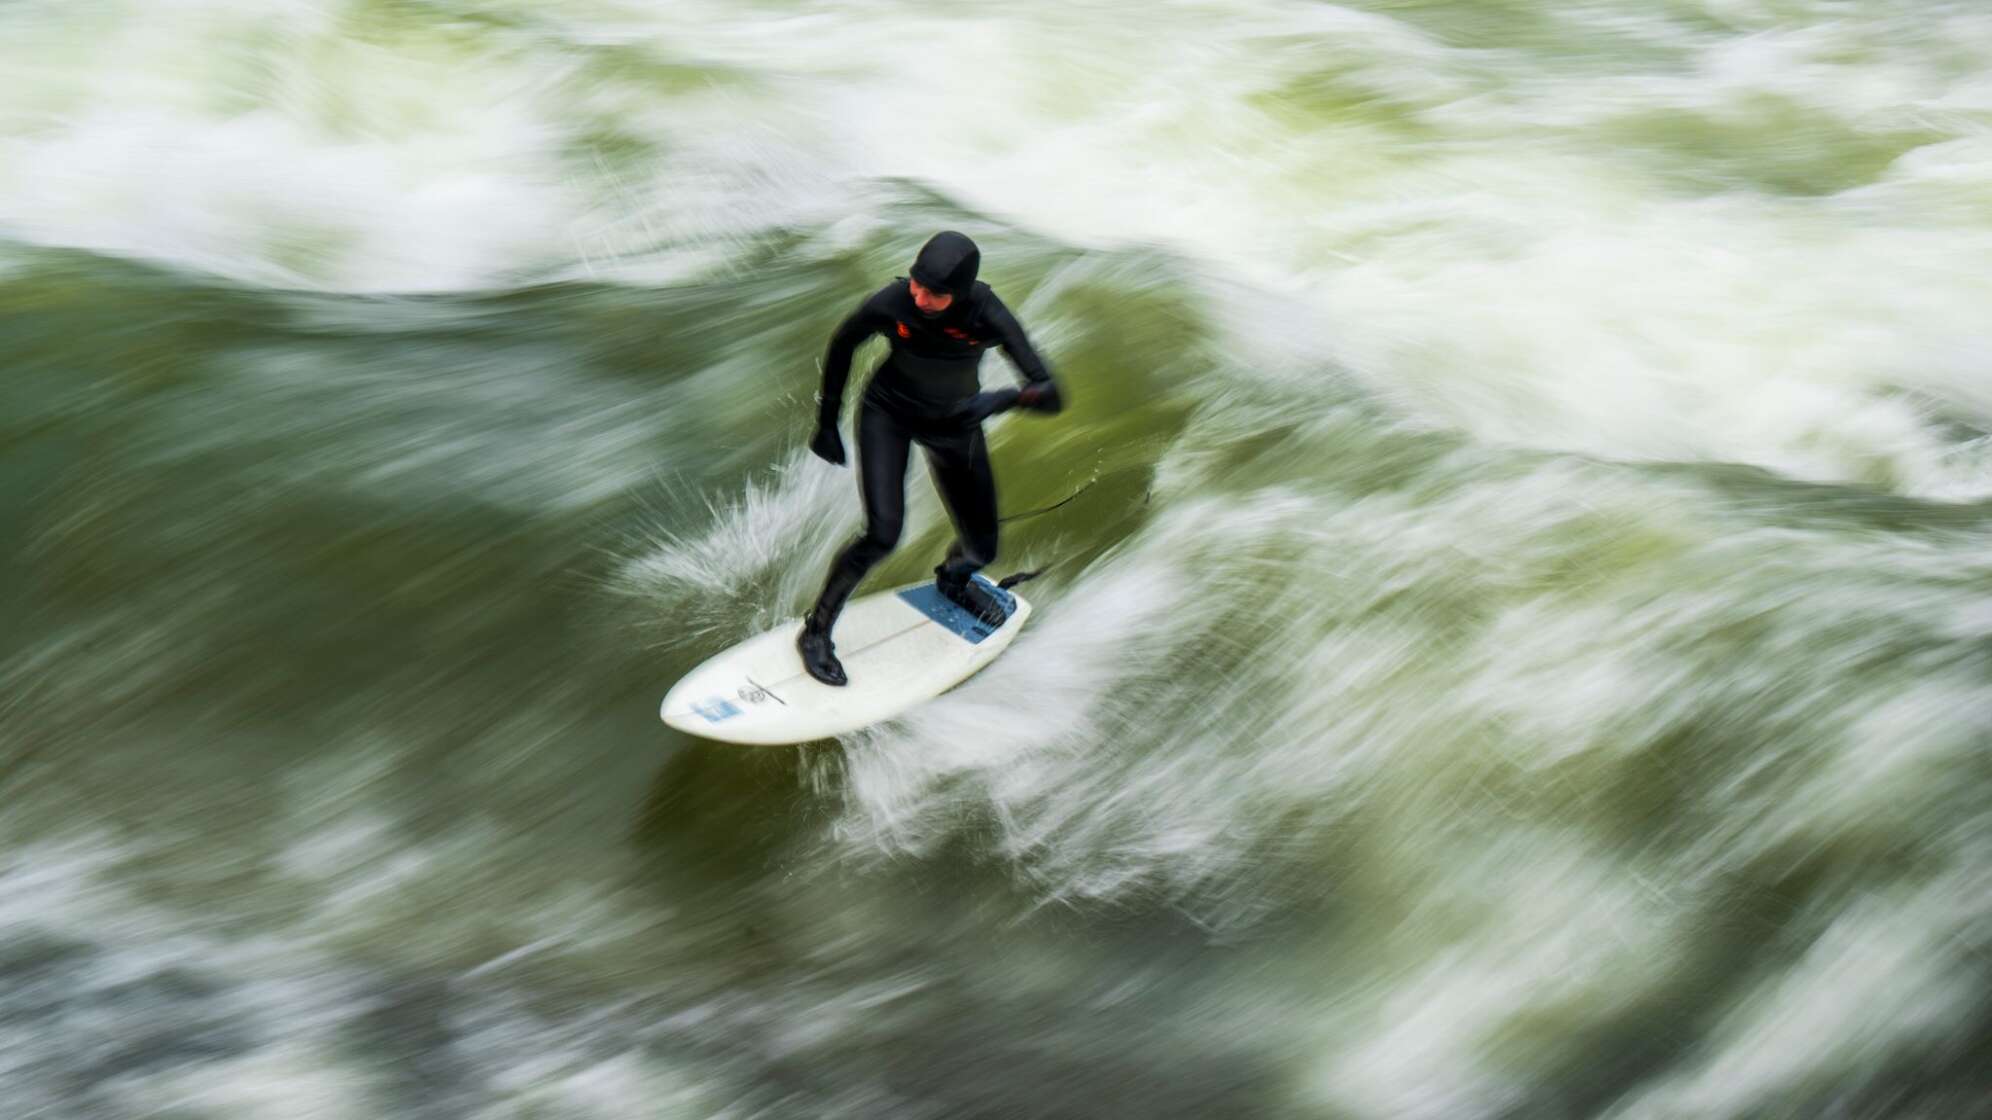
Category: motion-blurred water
[1521,648]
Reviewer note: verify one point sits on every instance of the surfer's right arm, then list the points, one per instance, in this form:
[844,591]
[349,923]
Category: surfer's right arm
[870,318]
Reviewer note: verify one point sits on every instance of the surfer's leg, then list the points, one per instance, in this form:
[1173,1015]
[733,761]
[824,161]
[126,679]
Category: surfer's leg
[960,466]
[883,445]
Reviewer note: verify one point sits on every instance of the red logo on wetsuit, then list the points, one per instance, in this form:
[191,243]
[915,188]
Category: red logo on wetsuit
[957,333]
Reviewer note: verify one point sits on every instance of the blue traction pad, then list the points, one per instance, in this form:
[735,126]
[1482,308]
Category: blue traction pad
[928,600]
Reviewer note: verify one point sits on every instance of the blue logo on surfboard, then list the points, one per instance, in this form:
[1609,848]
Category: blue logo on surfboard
[715,709]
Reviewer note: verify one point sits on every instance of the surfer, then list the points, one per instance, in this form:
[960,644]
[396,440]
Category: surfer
[938,320]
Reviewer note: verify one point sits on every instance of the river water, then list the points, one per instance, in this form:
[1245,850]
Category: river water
[1519,644]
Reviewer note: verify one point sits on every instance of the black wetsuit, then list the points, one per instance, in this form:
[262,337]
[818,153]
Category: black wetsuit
[927,391]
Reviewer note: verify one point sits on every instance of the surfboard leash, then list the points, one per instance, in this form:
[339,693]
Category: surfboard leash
[1015,578]
[1088,485]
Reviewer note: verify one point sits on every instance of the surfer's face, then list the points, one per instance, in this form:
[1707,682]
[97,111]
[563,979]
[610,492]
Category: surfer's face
[929,300]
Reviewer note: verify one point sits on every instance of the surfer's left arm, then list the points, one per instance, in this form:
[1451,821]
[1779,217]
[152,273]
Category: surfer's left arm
[1040,392]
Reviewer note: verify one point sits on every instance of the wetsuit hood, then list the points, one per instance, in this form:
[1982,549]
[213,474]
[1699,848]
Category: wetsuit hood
[948,263]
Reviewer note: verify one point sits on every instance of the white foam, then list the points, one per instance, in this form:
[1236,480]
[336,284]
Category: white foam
[781,530]
[1880,981]
[289,1079]
[1542,939]
[1482,251]
[616,1088]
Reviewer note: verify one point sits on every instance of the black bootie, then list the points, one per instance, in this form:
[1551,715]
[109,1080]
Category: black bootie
[970,595]
[819,653]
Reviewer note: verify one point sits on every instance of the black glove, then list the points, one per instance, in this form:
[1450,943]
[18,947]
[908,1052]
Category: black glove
[982,406]
[1040,396]
[828,445]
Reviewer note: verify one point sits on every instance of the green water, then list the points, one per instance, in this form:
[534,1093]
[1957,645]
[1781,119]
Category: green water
[1519,643]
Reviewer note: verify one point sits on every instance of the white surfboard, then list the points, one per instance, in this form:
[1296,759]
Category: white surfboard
[899,648]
